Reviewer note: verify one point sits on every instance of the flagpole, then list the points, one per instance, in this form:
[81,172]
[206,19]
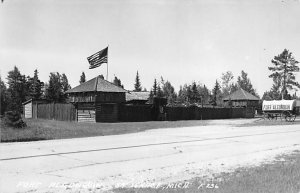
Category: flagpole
[107,64]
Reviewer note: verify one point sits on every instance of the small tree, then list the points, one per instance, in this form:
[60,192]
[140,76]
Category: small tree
[101,76]
[82,78]
[117,82]
[137,85]
[14,119]
[284,70]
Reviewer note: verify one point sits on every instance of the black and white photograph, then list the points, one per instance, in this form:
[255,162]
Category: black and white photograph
[154,96]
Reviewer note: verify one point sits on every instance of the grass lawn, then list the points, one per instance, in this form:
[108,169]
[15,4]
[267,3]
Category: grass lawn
[41,129]
[282,176]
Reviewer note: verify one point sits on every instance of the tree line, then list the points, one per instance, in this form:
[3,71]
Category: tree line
[21,87]
[282,73]
[198,93]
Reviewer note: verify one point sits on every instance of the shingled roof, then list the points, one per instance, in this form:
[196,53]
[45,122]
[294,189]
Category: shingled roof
[98,84]
[241,95]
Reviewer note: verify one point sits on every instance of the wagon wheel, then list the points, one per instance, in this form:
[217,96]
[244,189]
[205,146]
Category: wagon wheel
[270,116]
[293,117]
[283,116]
[287,116]
[265,116]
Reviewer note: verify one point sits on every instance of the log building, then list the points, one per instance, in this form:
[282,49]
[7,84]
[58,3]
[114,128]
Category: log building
[97,100]
[241,98]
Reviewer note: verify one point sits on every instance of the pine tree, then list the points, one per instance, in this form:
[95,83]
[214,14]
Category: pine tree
[245,83]
[154,88]
[216,94]
[194,93]
[284,69]
[55,88]
[137,85]
[159,91]
[65,86]
[65,83]
[82,78]
[3,97]
[17,90]
[35,86]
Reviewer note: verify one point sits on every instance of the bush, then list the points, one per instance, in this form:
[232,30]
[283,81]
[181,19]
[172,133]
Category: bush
[13,119]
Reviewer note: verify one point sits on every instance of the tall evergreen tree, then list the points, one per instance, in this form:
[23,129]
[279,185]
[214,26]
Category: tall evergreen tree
[55,88]
[154,88]
[65,83]
[17,90]
[35,86]
[65,86]
[159,91]
[284,68]
[245,83]
[82,78]
[216,94]
[3,97]
[137,84]
[195,95]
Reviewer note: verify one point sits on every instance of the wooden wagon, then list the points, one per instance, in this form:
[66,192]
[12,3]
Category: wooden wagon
[283,109]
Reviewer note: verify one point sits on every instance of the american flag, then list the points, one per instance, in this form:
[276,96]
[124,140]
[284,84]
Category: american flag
[98,58]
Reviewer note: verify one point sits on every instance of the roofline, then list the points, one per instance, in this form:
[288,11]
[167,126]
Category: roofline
[96,83]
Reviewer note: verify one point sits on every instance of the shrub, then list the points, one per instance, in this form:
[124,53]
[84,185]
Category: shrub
[13,119]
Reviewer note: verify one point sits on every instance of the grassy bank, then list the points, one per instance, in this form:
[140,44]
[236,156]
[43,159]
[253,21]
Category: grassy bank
[281,176]
[40,129]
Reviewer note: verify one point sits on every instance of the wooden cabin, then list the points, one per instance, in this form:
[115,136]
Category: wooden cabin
[241,98]
[97,100]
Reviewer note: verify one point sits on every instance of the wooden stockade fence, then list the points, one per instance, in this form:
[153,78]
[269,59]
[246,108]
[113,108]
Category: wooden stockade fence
[197,113]
[56,111]
[136,113]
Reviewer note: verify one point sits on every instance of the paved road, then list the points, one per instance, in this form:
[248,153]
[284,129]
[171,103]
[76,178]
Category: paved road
[155,156]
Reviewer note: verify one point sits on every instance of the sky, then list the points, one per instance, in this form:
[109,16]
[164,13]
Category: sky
[180,40]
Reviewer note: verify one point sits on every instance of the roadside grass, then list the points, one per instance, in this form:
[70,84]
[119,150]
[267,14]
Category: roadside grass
[266,122]
[282,176]
[41,129]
